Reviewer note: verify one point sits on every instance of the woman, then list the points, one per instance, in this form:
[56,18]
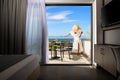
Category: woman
[76,33]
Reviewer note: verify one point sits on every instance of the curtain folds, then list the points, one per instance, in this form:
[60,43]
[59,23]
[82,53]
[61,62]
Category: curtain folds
[12,26]
[36,29]
[23,28]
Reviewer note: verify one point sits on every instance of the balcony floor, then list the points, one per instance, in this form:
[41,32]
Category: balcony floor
[75,59]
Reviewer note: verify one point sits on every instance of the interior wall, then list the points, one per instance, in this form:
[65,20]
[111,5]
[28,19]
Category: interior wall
[94,28]
[99,5]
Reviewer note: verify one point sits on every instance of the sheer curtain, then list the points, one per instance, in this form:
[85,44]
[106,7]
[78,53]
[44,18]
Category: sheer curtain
[36,29]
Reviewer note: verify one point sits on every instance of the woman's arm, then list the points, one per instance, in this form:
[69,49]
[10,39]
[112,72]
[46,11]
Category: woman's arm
[81,34]
[68,34]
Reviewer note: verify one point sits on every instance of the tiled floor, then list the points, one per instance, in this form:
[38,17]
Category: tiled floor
[73,73]
[75,59]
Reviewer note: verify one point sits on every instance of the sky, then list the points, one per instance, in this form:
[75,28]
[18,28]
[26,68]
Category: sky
[60,19]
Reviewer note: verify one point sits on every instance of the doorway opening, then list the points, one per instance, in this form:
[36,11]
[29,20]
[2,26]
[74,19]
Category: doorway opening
[60,21]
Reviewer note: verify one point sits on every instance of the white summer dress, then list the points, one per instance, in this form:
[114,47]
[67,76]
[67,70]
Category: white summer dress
[76,41]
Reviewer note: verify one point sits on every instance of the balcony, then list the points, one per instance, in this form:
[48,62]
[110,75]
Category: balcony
[83,58]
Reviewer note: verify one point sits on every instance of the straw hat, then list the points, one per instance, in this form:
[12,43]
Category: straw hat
[76,28]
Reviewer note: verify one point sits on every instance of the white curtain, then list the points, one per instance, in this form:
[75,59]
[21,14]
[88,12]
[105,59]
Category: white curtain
[36,29]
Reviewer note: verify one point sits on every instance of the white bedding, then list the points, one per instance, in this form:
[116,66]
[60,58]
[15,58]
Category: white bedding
[21,70]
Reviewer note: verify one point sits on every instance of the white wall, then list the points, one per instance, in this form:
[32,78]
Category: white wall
[94,4]
[87,47]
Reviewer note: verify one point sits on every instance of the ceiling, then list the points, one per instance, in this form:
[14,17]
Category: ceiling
[69,1]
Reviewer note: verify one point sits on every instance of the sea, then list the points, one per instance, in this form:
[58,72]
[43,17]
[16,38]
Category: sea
[62,38]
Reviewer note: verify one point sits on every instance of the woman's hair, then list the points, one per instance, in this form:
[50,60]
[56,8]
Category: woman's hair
[76,28]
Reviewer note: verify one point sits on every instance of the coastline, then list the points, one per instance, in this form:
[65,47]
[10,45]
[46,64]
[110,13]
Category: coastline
[62,38]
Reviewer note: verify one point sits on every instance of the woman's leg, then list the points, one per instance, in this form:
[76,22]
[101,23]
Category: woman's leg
[78,48]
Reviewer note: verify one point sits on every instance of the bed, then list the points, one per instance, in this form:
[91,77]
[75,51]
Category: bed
[19,67]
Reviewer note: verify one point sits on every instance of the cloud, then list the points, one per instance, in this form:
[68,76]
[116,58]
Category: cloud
[59,16]
[69,20]
[61,21]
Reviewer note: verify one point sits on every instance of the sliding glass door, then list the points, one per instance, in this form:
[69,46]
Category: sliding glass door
[60,21]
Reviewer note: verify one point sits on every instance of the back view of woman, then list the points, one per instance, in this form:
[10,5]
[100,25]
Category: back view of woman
[76,33]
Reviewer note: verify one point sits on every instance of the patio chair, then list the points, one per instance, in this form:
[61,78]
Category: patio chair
[64,46]
[50,48]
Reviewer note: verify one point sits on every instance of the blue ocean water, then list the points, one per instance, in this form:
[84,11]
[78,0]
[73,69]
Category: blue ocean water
[62,38]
